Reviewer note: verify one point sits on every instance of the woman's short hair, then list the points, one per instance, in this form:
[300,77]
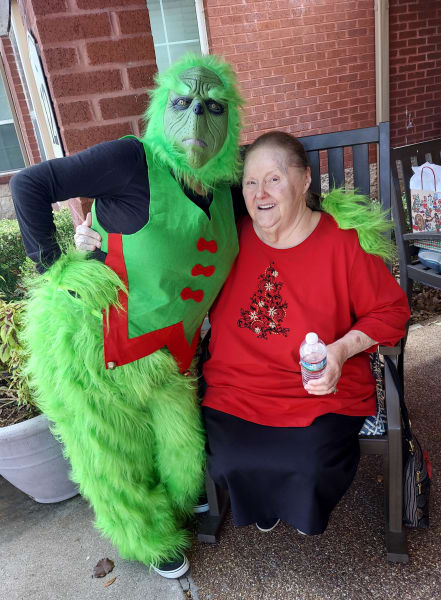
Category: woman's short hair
[294,152]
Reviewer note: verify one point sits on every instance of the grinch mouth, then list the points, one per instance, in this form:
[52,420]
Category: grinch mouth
[194,142]
[266,206]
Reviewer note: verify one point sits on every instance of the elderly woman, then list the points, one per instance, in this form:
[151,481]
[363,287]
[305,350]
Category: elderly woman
[282,450]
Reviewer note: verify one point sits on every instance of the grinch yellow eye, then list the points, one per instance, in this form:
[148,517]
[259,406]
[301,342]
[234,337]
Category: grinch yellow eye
[214,107]
[181,103]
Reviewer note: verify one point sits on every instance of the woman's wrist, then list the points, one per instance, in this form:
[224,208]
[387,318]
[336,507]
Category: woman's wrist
[351,343]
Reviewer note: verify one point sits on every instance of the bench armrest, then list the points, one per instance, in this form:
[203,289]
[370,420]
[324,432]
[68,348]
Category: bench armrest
[423,235]
[390,350]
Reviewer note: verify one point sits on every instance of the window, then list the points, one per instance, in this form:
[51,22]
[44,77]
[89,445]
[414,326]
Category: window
[178,27]
[11,157]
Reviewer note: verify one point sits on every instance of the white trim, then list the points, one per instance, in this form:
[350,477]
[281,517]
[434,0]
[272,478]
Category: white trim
[202,26]
[162,44]
[6,122]
[165,32]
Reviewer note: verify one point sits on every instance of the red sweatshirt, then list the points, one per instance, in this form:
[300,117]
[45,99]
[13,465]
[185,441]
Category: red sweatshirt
[272,299]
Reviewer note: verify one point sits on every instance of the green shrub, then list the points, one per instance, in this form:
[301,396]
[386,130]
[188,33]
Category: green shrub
[13,356]
[14,264]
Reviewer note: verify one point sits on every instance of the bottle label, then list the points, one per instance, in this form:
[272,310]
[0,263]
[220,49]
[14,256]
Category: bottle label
[314,366]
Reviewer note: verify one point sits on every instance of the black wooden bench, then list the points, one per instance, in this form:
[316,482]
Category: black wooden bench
[336,146]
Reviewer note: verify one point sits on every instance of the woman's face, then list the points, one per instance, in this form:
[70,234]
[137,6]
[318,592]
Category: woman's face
[274,192]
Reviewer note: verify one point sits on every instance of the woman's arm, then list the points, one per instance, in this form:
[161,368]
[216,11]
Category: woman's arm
[379,314]
[338,352]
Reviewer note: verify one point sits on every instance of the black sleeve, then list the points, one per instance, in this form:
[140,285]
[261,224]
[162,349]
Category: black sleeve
[103,170]
[238,202]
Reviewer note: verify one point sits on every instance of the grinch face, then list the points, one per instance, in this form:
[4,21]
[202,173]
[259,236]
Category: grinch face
[195,121]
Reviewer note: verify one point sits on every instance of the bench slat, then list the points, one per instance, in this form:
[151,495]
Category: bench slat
[360,155]
[336,167]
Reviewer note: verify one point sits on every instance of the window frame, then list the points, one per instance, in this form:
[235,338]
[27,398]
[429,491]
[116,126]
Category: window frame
[201,26]
[16,124]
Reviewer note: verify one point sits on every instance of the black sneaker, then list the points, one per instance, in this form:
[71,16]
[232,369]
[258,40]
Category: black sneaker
[173,569]
[269,525]
[201,505]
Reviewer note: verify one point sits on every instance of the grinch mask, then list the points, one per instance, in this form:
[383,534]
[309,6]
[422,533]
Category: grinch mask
[196,122]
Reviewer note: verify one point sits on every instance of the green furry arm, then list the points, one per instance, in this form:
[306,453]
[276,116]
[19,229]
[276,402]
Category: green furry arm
[94,282]
[354,211]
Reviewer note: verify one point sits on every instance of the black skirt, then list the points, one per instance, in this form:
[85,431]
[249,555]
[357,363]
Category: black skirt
[297,474]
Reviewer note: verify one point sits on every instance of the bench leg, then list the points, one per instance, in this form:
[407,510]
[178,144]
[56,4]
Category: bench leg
[211,521]
[396,544]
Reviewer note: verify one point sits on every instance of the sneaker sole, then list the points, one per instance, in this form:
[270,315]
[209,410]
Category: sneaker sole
[201,508]
[270,529]
[176,573]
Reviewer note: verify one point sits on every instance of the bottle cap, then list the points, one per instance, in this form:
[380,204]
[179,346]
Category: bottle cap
[311,338]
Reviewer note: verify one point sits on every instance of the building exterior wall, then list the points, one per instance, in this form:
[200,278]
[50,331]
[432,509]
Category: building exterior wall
[305,67]
[415,71]
[99,59]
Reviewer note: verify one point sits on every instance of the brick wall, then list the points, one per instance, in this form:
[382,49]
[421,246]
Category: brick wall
[98,58]
[415,70]
[305,66]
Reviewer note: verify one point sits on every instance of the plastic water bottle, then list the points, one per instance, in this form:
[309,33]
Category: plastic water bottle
[312,357]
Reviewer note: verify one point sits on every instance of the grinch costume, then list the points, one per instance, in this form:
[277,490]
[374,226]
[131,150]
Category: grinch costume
[112,337]
[111,344]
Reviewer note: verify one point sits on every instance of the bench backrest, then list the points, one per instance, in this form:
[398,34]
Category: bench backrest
[357,139]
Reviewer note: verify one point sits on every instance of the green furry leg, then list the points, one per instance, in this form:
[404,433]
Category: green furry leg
[132,435]
[179,437]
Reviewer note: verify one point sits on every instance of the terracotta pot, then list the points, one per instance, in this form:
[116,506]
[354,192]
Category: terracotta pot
[32,460]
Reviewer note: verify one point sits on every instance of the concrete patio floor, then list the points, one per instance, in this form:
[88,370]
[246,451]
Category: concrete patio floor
[47,552]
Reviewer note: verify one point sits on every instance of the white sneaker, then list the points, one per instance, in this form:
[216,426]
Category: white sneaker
[173,569]
[202,505]
[266,526]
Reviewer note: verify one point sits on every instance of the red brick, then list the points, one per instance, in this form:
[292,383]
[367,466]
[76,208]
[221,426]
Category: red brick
[92,82]
[231,20]
[134,21]
[257,36]
[45,7]
[123,106]
[60,58]
[75,112]
[123,51]
[141,77]
[269,44]
[77,139]
[62,29]
[91,4]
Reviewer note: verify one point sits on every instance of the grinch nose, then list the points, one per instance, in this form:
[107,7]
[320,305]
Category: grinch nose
[198,109]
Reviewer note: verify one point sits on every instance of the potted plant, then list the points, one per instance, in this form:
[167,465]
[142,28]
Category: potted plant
[30,457]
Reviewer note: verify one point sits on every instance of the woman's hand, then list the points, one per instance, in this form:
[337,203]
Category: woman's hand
[328,383]
[85,237]
[352,343]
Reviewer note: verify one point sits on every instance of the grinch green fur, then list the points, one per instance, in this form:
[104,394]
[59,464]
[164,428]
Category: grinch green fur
[354,211]
[133,435]
[226,165]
